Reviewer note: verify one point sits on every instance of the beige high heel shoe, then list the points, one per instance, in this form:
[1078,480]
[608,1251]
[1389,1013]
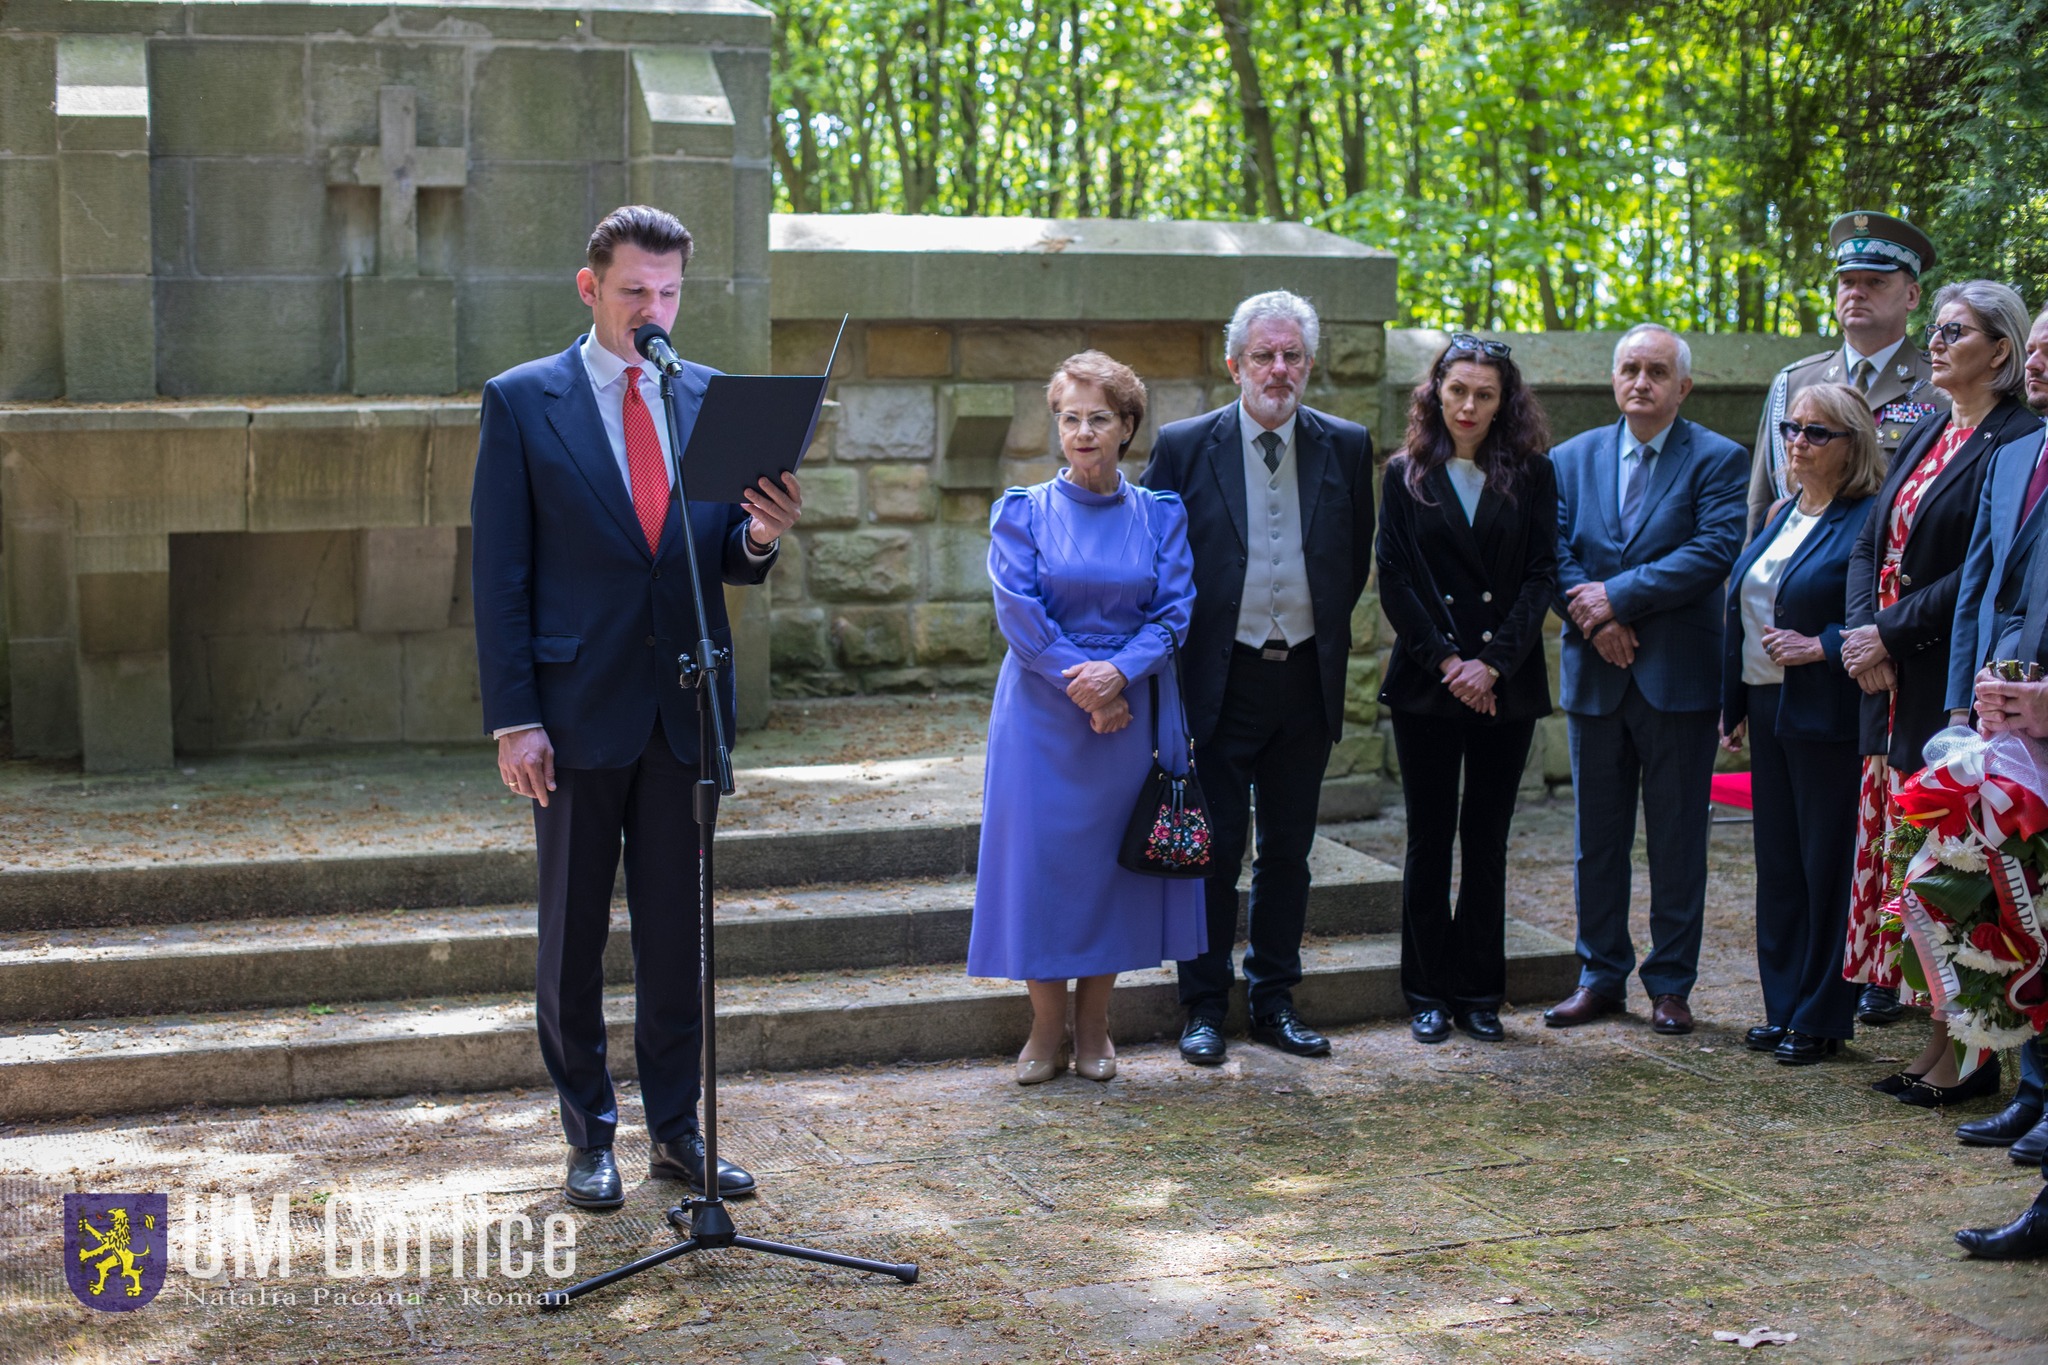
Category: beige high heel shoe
[1037,1071]
[1095,1068]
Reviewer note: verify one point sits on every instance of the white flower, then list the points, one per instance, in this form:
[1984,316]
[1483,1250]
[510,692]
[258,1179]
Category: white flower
[1974,1030]
[1963,853]
[1969,955]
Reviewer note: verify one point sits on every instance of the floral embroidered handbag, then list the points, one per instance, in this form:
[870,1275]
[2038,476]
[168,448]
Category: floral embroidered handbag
[1168,833]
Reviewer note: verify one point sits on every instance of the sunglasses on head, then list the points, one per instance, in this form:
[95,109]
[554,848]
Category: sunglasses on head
[1814,432]
[1465,341]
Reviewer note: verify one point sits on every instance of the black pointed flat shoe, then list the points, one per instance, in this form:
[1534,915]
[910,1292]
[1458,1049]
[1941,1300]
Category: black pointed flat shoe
[1979,1083]
[1896,1083]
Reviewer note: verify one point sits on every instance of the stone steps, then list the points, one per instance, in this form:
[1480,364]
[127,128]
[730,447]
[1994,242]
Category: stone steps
[481,1042]
[287,960]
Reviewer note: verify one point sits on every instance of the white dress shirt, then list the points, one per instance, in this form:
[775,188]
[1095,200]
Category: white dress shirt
[1760,597]
[1877,361]
[1275,604]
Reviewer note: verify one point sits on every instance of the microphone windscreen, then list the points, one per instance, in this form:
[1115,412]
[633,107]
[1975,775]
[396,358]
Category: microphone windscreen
[646,335]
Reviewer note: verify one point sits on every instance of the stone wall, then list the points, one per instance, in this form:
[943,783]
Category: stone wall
[939,403]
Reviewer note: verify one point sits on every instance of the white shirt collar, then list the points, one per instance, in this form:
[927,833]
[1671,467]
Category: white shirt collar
[1878,361]
[604,367]
[1249,429]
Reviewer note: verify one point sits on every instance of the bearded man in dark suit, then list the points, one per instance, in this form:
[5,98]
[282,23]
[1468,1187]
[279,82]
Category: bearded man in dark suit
[1280,520]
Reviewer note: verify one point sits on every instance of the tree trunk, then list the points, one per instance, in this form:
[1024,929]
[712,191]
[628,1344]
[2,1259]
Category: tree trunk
[1263,173]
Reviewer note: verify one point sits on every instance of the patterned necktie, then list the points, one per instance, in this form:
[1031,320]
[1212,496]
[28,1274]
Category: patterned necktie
[2036,486]
[1269,441]
[643,462]
[1864,373]
[1632,495]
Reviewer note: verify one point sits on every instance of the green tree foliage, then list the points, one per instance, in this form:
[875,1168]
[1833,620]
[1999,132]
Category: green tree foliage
[1535,163]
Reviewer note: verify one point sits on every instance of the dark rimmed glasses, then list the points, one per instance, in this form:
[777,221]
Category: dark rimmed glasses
[1465,341]
[1814,432]
[1950,332]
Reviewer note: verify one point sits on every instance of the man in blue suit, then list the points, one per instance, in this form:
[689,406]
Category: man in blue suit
[582,607]
[1650,515]
[1989,624]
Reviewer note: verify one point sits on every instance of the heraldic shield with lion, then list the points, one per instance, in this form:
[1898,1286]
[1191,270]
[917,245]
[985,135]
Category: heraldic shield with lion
[116,1247]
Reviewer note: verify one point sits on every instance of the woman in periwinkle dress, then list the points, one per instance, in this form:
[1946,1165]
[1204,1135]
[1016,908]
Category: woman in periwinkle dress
[1092,581]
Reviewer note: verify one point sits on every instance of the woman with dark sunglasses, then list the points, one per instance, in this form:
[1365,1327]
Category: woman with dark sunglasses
[1903,583]
[1782,683]
[1467,557]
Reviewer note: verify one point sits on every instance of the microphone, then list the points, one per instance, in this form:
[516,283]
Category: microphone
[650,341]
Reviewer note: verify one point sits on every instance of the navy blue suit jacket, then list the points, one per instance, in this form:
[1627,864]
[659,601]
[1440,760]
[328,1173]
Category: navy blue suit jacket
[1665,580]
[1820,700]
[2000,547]
[578,626]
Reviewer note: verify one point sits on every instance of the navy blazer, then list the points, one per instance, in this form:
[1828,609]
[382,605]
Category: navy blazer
[1202,459]
[2001,545]
[1917,628]
[1664,581]
[578,626]
[1819,700]
[1478,589]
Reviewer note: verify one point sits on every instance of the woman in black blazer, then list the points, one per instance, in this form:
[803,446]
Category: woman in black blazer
[1467,567]
[1903,581]
[1782,681]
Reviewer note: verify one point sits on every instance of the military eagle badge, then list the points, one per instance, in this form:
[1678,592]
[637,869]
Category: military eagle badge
[116,1248]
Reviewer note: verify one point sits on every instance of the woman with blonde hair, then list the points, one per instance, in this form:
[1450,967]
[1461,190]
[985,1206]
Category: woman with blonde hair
[1782,682]
[1094,586]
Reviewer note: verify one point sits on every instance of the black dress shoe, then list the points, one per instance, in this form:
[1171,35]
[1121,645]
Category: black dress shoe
[1979,1083]
[1430,1026]
[1283,1029]
[2002,1129]
[1896,1083]
[1803,1049]
[593,1181]
[1763,1038]
[1481,1024]
[2032,1148]
[683,1160]
[2026,1235]
[1878,1005]
[1201,1041]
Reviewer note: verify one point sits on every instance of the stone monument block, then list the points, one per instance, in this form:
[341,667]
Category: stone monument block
[401,335]
[974,425]
[405,578]
[680,106]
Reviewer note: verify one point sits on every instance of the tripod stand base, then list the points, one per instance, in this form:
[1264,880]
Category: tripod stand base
[710,1227]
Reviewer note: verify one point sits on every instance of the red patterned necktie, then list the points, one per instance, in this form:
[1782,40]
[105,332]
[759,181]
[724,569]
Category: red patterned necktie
[2036,486]
[643,462]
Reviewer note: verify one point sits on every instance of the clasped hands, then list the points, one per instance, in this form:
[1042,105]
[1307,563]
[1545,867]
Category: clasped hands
[2016,706]
[1097,687]
[1868,661]
[1471,682]
[1593,614]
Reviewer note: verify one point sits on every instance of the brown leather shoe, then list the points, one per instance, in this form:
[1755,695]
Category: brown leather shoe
[1582,1006]
[1670,1014]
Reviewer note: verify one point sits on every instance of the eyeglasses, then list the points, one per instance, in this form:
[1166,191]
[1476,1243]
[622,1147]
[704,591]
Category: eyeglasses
[1814,432]
[1950,332]
[1465,341]
[1263,360]
[1095,422]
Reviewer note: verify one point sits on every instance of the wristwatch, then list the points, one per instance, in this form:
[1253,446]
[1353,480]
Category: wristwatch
[1490,669]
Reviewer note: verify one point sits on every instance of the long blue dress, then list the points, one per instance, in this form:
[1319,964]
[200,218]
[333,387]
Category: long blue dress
[1080,576]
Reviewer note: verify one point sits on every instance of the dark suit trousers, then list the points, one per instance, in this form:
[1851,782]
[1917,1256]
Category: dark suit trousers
[1457,962]
[1272,743]
[1667,756]
[578,834]
[1805,794]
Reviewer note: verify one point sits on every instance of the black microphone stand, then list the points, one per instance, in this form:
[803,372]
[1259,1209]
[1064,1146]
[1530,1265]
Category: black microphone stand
[705,1222]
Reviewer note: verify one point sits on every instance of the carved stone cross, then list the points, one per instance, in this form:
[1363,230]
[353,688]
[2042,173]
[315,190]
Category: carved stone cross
[399,168]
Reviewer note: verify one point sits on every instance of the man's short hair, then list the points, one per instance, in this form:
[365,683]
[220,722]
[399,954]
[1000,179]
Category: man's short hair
[1644,329]
[652,230]
[1277,305]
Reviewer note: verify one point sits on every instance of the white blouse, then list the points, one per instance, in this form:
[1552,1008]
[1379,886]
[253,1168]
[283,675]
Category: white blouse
[1469,481]
[1760,596]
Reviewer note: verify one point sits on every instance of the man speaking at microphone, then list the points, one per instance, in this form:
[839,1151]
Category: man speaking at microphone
[582,608]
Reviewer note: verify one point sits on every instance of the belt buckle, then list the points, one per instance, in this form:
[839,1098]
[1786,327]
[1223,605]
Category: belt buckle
[1275,651]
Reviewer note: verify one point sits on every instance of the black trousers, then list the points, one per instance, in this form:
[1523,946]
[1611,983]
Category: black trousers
[1457,961]
[1271,742]
[1805,796]
[578,834]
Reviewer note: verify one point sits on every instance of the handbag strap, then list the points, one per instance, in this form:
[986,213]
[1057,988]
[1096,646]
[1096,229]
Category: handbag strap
[1180,690]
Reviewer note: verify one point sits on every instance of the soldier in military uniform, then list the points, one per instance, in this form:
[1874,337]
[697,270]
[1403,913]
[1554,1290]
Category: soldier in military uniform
[1878,263]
